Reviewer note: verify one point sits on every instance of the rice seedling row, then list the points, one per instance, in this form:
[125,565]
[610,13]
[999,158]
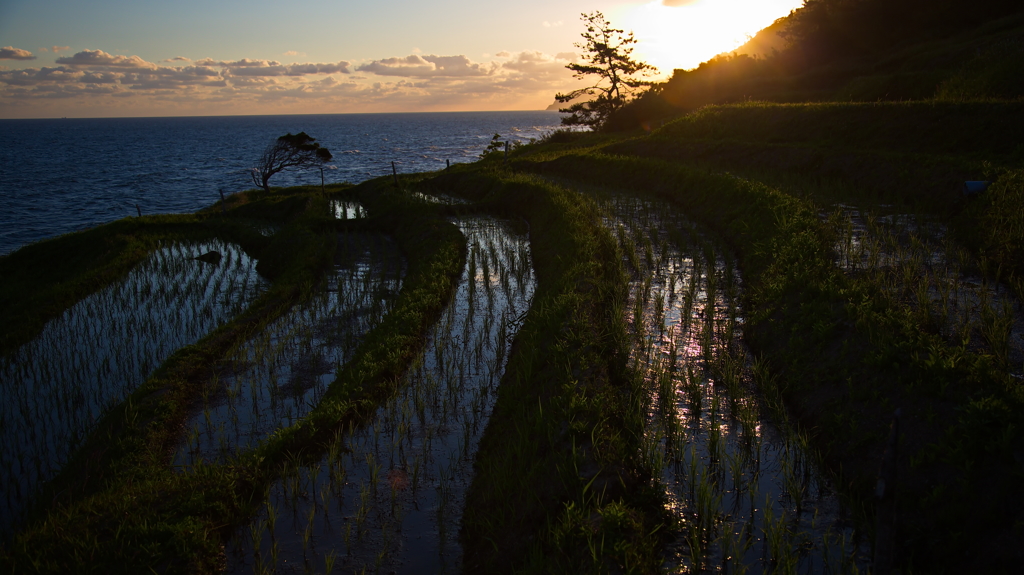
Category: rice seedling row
[746,495]
[347,210]
[101,349]
[917,264]
[278,376]
[388,494]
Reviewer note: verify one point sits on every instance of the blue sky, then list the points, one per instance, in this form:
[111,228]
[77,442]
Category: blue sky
[143,58]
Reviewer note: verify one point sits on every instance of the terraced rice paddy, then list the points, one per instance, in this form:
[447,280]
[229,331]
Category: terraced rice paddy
[388,494]
[913,257]
[746,494]
[347,210]
[278,376]
[342,421]
[101,349]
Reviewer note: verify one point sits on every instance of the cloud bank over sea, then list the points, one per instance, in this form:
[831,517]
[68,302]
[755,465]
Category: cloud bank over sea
[93,82]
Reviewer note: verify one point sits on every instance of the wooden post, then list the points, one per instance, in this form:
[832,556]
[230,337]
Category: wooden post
[885,513]
[138,209]
[506,151]
[394,172]
[322,190]
[223,208]
[447,164]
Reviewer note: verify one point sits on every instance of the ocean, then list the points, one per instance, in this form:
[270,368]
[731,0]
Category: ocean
[63,175]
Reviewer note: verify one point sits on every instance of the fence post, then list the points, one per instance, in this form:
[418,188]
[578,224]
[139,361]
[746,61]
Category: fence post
[394,172]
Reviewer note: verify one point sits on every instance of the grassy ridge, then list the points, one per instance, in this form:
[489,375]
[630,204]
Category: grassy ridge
[912,152]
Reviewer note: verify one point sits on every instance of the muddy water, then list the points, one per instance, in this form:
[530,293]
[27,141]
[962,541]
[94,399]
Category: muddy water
[56,387]
[745,494]
[921,266]
[388,496]
[280,375]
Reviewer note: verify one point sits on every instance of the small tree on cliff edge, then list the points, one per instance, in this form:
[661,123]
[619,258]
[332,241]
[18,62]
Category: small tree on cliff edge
[607,56]
[289,153]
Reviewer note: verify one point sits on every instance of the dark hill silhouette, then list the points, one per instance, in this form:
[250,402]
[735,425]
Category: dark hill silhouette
[856,50]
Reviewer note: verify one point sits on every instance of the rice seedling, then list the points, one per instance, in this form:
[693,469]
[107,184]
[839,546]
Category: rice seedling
[913,257]
[406,469]
[347,210]
[101,349]
[282,373]
[726,430]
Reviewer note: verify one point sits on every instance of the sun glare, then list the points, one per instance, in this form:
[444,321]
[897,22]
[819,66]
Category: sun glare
[690,32]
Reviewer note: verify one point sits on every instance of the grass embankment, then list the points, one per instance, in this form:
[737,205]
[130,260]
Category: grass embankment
[847,351]
[907,152]
[117,506]
[559,484]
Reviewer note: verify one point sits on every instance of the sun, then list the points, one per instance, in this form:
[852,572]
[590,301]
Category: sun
[691,32]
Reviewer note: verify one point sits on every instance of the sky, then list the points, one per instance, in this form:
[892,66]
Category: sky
[118,58]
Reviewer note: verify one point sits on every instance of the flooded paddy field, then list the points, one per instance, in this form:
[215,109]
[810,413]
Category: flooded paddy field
[745,492]
[388,494]
[347,210]
[101,349]
[918,263]
[278,376]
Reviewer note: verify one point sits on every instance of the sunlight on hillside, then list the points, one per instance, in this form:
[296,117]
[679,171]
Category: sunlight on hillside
[684,33]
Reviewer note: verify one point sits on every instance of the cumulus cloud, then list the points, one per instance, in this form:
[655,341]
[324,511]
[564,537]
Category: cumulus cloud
[416,66]
[103,81]
[320,68]
[100,78]
[677,3]
[39,76]
[269,68]
[243,63]
[57,49]
[12,53]
[102,59]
